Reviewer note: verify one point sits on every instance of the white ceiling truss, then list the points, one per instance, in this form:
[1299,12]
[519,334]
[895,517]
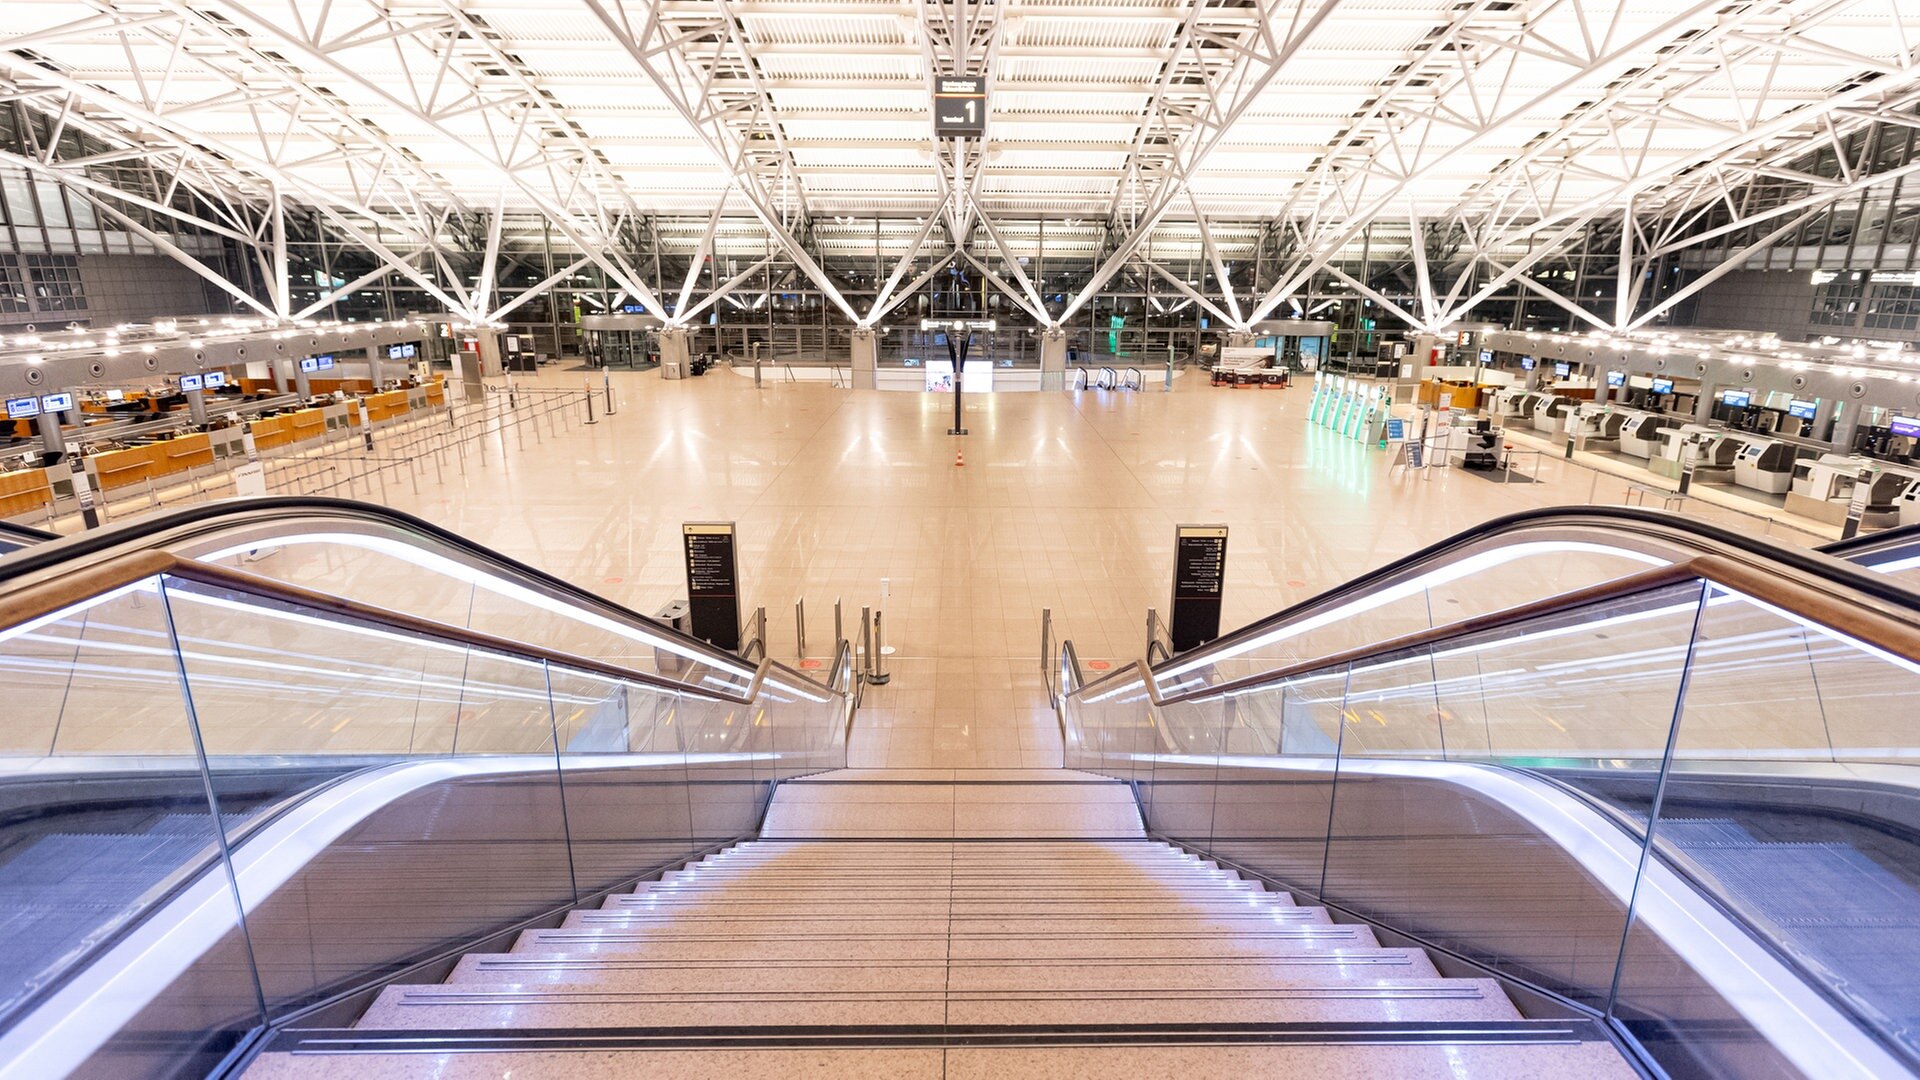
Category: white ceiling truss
[427,132]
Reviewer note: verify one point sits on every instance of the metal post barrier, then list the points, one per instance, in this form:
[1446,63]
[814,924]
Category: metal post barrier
[866,644]
[607,378]
[880,673]
[588,397]
[800,628]
[839,635]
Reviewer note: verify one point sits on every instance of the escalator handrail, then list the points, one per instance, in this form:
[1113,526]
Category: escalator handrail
[1798,580]
[144,532]
[1619,588]
[45,598]
[27,533]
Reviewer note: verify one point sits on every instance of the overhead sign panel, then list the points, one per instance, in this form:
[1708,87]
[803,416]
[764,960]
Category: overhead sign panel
[960,108]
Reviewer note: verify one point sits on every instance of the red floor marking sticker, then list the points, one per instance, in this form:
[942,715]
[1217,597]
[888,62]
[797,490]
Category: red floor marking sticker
[612,580]
[1098,665]
[1296,584]
[809,664]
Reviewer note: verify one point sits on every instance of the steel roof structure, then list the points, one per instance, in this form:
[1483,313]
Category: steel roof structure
[1517,123]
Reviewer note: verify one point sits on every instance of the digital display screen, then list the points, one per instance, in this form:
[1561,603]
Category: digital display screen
[393,352]
[1802,409]
[191,382]
[1663,386]
[1526,363]
[1738,399]
[1616,378]
[1561,371]
[1905,425]
[56,403]
[310,364]
[22,408]
[325,362]
[216,378]
[1486,356]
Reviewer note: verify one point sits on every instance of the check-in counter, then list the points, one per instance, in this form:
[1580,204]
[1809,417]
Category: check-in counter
[24,491]
[112,469]
[272,431]
[437,391]
[386,406]
[307,424]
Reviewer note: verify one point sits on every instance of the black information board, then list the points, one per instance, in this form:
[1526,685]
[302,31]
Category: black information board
[713,583]
[959,108]
[1199,571]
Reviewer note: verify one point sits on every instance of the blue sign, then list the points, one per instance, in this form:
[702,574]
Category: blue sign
[216,378]
[1802,409]
[325,362]
[310,364]
[1738,399]
[191,382]
[1526,363]
[1396,429]
[1562,370]
[56,403]
[1663,386]
[23,408]
[633,309]
[1616,378]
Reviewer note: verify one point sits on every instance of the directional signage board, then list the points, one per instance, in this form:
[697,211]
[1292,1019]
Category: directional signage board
[960,108]
[713,583]
[1199,571]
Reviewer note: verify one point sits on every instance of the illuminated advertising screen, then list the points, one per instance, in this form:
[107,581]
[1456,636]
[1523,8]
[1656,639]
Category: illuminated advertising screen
[1802,409]
[1663,386]
[1737,399]
[1905,425]
[1561,371]
[1616,378]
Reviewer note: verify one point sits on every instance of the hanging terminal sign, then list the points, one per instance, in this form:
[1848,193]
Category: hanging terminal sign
[959,108]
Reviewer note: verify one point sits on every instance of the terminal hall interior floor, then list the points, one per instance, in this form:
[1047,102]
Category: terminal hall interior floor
[1066,500]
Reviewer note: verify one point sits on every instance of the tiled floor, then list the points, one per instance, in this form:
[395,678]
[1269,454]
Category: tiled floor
[1066,501]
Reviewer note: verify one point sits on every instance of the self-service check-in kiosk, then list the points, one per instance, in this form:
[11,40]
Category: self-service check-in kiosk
[1550,414]
[1763,465]
[1640,433]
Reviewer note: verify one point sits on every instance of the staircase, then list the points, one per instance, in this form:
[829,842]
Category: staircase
[901,924]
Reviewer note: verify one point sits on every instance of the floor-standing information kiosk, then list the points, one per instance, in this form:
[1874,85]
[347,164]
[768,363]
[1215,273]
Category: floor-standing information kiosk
[1199,571]
[713,583]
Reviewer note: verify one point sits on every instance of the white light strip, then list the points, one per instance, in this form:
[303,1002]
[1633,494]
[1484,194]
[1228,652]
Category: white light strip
[60,1034]
[440,564]
[1792,1016]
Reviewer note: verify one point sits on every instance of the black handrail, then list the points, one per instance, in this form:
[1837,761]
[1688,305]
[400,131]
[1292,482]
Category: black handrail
[1652,523]
[50,555]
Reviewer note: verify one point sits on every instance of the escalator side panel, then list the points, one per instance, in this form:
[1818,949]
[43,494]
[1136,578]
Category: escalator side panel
[1431,850]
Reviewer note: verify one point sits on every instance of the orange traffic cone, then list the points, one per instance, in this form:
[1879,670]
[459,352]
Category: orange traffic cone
[959,459]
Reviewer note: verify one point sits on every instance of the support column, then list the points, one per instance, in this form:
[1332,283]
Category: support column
[197,407]
[53,441]
[866,358]
[1053,358]
[373,365]
[277,368]
[674,358]
[470,368]
[1703,405]
[1823,419]
[301,384]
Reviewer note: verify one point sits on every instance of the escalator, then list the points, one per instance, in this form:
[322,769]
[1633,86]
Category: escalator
[230,798]
[306,788]
[1653,768]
